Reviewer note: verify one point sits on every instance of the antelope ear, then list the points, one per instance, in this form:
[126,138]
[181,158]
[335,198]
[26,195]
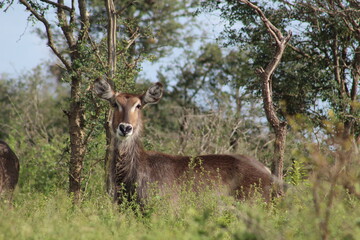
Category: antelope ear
[153,94]
[103,90]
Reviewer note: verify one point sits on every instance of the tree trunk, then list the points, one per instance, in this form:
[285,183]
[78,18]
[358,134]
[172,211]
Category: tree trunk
[351,124]
[76,131]
[111,41]
[279,127]
[109,183]
[279,150]
[266,77]
[68,23]
[234,137]
[184,125]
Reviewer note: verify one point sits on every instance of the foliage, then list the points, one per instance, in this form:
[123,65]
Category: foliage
[159,24]
[319,69]
[204,216]
[34,124]
[42,208]
[206,85]
[31,106]
[210,107]
[79,45]
[212,73]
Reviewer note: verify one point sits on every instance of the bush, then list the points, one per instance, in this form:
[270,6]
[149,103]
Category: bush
[322,200]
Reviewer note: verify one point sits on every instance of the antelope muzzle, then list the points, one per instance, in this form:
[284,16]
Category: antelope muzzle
[125,129]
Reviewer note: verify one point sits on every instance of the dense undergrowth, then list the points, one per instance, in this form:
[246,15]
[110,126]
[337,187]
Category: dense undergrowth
[42,209]
[52,216]
[322,199]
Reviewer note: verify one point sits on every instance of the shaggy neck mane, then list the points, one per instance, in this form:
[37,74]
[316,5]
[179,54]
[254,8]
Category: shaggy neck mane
[127,157]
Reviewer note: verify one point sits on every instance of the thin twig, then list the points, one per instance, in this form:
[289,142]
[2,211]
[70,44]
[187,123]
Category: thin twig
[58,5]
[49,33]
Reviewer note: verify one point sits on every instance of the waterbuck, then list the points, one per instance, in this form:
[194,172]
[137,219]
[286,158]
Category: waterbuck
[135,170]
[9,170]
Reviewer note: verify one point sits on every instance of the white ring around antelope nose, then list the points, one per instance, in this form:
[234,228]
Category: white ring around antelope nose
[124,130]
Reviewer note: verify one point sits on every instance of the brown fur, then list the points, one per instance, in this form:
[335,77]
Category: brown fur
[134,170]
[9,170]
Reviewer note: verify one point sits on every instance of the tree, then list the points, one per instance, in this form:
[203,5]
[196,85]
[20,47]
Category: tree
[266,77]
[139,39]
[159,25]
[29,107]
[319,70]
[78,46]
[334,30]
[211,79]
[75,34]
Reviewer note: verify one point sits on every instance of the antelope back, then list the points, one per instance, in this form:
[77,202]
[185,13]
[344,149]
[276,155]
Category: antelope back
[9,168]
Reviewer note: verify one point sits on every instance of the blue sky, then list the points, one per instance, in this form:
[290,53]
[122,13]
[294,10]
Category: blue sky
[20,48]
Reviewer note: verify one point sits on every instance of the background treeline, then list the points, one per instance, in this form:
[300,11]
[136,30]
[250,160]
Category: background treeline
[212,104]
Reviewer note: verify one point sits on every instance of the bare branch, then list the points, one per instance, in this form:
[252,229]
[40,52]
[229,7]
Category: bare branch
[299,51]
[337,69]
[337,8]
[121,11]
[49,33]
[266,75]
[72,13]
[356,75]
[280,40]
[96,51]
[111,30]
[131,41]
[5,10]
[65,27]
[277,35]
[58,5]
[84,17]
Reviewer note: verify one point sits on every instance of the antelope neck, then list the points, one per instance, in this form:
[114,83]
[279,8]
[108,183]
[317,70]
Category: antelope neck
[130,148]
[128,155]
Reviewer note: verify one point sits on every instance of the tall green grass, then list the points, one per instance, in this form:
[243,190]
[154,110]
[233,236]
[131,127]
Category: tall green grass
[36,215]
[317,204]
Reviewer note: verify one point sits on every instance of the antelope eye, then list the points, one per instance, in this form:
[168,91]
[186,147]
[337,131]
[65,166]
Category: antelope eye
[138,106]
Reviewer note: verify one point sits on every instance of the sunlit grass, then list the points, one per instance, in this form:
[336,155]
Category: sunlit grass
[42,208]
[52,216]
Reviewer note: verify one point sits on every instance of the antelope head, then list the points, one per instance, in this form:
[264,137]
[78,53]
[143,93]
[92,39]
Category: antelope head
[127,118]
